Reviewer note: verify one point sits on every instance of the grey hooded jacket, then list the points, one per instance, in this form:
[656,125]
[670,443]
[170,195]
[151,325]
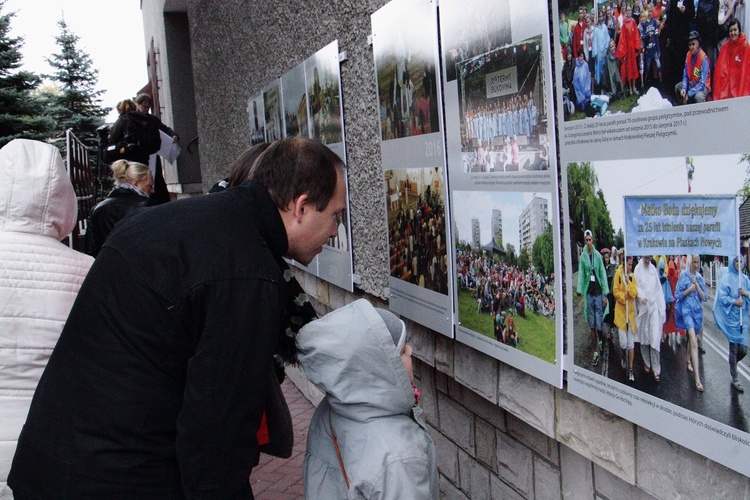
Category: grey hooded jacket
[369,404]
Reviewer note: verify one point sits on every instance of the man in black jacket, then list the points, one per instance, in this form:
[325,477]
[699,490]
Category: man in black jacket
[157,385]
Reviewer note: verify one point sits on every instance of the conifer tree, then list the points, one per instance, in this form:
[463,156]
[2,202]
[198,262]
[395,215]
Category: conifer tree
[20,108]
[77,105]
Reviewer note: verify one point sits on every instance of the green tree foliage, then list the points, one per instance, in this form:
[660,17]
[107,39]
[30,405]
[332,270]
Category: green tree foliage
[77,105]
[620,239]
[587,208]
[542,253]
[510,255]
[744,192]
[523,260]
[20,109]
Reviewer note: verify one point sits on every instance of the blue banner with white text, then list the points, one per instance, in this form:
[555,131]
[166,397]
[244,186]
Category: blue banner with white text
[680,225]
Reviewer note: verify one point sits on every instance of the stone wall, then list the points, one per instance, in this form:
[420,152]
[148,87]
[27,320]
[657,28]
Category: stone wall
[503,434]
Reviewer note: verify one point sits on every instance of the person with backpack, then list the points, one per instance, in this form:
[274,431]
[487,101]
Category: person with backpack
[134,136]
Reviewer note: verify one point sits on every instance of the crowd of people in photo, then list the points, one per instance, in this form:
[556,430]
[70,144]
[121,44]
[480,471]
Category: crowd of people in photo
[408,108]
[504,290]
[651,300]
[688,51]
[491,132]
[417,243]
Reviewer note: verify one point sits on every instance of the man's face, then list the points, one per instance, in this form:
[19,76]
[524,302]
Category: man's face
[734,32]
[316,227]
[144,106]
[646,260]
[589,242]
[693,46]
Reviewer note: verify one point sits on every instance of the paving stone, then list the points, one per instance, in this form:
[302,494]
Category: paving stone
[514,463]
[501,490]
[457,423]
[447,454]
[546,480]
[476,370]
[577,476]
[475,479]
[528,398]
[664,466]
[540,443]
[449,491]
[486,443]
[422,341]
[444,355]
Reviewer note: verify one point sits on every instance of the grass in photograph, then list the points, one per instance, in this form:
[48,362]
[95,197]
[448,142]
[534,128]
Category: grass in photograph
[536,333]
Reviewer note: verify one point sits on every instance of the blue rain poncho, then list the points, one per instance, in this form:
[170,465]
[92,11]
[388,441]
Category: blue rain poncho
[692,305]
[582,83]
[729,317]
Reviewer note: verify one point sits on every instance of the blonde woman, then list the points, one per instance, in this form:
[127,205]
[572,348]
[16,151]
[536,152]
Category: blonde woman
[134,184]
[625,292]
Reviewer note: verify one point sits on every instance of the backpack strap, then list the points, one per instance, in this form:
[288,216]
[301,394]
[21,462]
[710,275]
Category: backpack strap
[338,451]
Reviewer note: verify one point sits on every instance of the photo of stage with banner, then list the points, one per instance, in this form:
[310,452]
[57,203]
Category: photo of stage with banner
[405,49]
[663,234]
[500,142]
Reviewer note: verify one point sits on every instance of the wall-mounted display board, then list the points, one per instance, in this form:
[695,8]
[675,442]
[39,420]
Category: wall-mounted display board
[500,140]
[294,98]
[272,108]
[256,119]
[658,174]
[325,114]
[405,47]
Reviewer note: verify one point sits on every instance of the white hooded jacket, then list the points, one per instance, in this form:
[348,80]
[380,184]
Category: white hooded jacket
[39,277]
[350,355]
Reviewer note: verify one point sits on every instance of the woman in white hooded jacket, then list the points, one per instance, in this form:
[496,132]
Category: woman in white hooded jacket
[367,438]
[39,277]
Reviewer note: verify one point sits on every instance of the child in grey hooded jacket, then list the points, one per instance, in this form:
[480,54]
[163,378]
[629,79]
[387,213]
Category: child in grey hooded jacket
[367,438]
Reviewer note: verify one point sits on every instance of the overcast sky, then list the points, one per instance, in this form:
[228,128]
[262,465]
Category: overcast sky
[110,31]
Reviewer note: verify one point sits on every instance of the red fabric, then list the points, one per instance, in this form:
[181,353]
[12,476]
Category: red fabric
[262,435]
[578,31]
[732,72]
[628,49]
[656,12]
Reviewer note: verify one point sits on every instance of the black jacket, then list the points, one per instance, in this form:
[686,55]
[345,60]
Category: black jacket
[119,203]
[158,382]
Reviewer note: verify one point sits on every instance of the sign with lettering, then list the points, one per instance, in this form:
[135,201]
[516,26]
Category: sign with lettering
[681,225]
[503,82]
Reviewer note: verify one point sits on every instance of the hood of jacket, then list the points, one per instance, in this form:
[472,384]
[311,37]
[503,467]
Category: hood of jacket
[350,355]
[36,195]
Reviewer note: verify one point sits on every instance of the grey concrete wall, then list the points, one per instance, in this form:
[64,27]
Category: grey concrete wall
[240,46]
[499,432]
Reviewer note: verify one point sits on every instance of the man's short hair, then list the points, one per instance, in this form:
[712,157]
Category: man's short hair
[295,166]
[143,98]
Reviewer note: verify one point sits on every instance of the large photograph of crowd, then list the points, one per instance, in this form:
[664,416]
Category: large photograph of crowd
[626,56]
[666,323]
[416,227]
[294,96]
[502,109]
[505,269]
[324,95]
[405,55]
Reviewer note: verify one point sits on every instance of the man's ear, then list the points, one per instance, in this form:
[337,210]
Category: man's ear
[299,205]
